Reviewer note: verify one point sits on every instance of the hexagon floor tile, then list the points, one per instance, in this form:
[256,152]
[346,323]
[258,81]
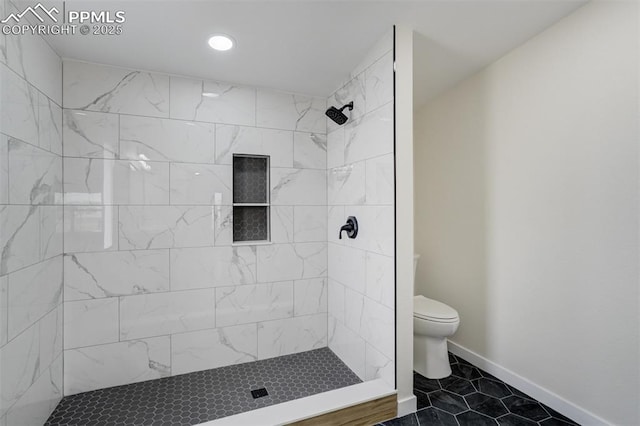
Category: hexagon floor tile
[194,398]
[472,397]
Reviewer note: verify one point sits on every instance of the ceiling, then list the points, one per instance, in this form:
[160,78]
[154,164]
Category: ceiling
[307,46]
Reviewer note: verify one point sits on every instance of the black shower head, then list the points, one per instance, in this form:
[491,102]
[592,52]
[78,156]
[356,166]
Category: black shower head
[337,115]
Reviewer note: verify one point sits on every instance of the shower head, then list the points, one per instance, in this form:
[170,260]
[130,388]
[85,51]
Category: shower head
[337,115]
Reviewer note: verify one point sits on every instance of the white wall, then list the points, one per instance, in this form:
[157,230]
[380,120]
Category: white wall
[527,209]
[404,50]
[360,183]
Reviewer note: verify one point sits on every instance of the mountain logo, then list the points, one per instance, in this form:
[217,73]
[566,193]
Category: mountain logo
[38,11]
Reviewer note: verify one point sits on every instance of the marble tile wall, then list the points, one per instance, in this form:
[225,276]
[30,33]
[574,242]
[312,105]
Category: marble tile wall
[31,221]
[152,283]
[360,182]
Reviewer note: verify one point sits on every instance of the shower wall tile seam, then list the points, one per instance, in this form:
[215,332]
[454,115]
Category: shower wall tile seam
[17,74]
[33,324]
[8,136]
[186,332]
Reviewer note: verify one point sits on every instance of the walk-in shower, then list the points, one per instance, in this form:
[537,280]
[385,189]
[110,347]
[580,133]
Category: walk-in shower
[170,244]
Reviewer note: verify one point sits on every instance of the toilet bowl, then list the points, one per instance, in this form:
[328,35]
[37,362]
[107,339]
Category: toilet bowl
[433,322]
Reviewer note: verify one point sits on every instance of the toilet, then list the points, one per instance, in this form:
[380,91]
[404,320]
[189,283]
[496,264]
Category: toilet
[433,322]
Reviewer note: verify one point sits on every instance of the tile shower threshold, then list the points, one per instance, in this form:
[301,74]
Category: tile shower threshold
[203,396]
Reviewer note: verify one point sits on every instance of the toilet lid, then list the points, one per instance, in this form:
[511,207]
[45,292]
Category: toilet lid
[432,309]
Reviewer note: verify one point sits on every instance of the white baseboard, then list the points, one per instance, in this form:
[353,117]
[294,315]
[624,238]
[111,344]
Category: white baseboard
[561,405]
[407,405]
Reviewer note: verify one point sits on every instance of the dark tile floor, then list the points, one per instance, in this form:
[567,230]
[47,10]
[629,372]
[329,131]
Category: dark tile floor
[472,397]
[194,398]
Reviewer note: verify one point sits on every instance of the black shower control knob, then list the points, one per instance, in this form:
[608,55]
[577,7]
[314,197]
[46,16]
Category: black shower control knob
[351,228]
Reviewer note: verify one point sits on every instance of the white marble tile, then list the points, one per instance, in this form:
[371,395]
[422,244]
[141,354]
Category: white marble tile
[35,406]
[335,148]
[91,322]
[146,227]
[19,237]
[370,136]
[202,184]
[282,224]
[277,144]
[116,364]
[212,267]
[3,310]
[4,169]
[309,150]
[347,266]
[280,262]
[376,228]
[353,310]
[298,187]
[223,225]
[106,182]
[33,292]
[90,228]
[378,327]
[19,115]
[310,223]
[347,184]
[25,357]
[19,361]
[335,300]
[103,88]
[144,138]
[202,350]
[348,346]
[51,335]
[353,90]
[291,335]
[336,217]
[51,231]
[378,366]
[380,281]
[379,82]
[252,303]
[380,180]
[49,125]
[90,134]
[278,110]
[31,57]
[310,296]
[157,314]
[212,102]
[35,175]
[110,274]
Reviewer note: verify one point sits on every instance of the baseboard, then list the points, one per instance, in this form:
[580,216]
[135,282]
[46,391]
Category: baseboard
[407,405]
[561,405]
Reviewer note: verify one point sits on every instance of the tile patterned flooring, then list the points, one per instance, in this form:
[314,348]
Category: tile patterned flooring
[472,397]
[194,398]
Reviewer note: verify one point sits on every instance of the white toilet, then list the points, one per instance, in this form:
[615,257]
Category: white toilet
[433,322]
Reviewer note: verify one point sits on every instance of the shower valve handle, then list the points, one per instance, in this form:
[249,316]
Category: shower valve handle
[351,228]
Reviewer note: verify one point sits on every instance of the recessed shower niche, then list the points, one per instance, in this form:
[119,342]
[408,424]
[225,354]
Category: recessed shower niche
[250,198]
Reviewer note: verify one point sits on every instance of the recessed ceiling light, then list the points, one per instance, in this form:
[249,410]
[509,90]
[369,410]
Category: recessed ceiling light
[220,42]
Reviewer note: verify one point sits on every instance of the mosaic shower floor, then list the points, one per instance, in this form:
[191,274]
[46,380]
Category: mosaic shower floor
[194,398]
[473,397]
